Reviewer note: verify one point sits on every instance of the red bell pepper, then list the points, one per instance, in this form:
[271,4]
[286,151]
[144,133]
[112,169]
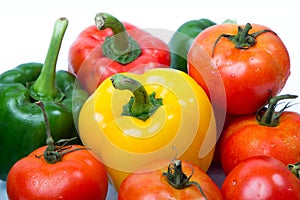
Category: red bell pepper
[111,47]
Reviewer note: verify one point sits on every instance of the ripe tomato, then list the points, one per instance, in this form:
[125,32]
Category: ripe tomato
[244,138]
[263,178]
[79,175]
[249,74]
[153,184]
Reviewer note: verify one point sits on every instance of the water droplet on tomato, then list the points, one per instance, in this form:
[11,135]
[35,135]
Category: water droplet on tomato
[34,182]
[273,145]
[257,69]
[234,182]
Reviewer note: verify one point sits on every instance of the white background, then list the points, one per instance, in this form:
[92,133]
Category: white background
[26,25]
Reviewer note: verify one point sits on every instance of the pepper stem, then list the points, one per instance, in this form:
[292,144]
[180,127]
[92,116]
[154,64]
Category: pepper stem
[119,47]
[55,150]
[141,105]
[268,116]
[44,88]
[178,179]
[242,40]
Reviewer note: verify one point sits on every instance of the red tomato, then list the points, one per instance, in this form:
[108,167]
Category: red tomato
[154,185]
[249,76]
[261,178]
[245,138]
[78,176]
[229,118]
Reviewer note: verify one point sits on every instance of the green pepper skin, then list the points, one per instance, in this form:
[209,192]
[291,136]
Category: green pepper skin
[182,39]
[21,120]
[22,124]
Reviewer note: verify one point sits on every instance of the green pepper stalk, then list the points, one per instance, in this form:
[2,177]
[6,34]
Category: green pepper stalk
[21,120]
[44,88]
[141,105]
[120,47]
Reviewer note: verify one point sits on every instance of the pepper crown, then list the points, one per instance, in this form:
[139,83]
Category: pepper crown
[120,47]
[141,105]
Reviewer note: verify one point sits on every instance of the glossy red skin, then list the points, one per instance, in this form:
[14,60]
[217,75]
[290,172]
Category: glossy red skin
[261,178]
[92,71]
[249,76]
[245,138]
[153,185]
[228,119]
[78,176]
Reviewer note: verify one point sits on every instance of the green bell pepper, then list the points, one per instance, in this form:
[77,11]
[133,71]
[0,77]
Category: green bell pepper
[183,38]
[22,125]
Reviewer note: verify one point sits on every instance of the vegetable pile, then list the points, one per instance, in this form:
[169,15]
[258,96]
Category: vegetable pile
[151,117]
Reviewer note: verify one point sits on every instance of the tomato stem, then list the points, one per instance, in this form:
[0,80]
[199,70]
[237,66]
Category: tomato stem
[141,105]
[178,179]
[54,151]
[295,169]
[267,116]
[120,47]
[242,40]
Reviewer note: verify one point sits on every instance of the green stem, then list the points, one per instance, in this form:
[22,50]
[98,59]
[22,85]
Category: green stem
[295,169]
[119,47]
[178,179]
[141,105]
[54,151]
[268,116]
[44,88]
[105,20]
[242,40]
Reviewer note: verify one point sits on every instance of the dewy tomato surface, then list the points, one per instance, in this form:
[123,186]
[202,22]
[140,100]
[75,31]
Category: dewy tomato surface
[250,74]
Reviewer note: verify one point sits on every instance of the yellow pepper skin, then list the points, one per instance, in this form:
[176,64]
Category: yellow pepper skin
[183,127]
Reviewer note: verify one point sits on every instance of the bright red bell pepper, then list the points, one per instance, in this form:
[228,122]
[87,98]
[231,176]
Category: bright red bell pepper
[111,47]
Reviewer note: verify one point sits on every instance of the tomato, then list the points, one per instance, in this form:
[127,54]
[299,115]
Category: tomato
[79,175]
[228,119]
[249,75]
[263,178]
[245,138]
[153,184]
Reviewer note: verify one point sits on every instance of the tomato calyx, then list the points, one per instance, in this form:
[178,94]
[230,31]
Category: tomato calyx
[141,105]
[295,169]
[242,40]
[120,47]
[55,150]
[267,116]
[178,179]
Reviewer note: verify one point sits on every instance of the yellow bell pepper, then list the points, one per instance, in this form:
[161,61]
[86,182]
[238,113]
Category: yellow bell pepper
[132,120]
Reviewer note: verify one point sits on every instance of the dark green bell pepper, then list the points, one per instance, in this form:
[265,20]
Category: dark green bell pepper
[182,40]
[22,125]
